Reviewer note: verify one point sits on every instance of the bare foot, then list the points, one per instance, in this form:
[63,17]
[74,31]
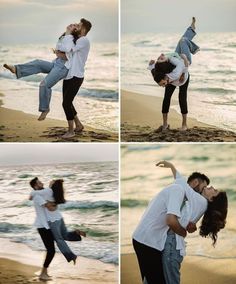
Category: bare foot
[183,128]
[81,233]
[79,128]
[74,260]
[43,115]
[44,277]
[193,23]
[11,68]
[68,135]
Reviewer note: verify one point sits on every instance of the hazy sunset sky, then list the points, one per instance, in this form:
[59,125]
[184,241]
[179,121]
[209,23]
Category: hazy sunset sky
[42,21]
[171,16]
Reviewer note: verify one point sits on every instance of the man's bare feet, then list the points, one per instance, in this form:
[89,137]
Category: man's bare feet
[81,233]
[44,277]
[184,128]
[193,23]
[68,135]
[79,128]
[43,115]
[11,68]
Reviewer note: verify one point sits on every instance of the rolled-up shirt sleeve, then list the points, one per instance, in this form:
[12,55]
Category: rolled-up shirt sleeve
[175,200]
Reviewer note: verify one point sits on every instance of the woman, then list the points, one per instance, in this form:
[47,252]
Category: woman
[55,194]
[56,70]
[210,202]
[170,73]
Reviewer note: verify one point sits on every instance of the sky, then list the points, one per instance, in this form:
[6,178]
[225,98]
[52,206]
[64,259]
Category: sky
[43,21]
[50,153]
[138,16]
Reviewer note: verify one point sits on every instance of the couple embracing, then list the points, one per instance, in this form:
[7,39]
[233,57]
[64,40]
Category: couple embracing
[71,53]
[158,240]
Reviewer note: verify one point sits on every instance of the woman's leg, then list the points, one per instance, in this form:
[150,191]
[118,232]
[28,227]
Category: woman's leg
[48,240]
[71,236]
[169,90]
[55,75]
[62,245]
[71,88]
[183,92]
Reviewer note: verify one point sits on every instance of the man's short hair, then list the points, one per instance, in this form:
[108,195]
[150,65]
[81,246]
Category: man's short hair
[86,24]
[33,182]
[199,176]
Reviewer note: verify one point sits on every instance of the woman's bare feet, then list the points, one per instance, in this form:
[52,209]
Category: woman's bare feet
[193,23]
[183,128]
[11,68]
[74,260]
[81,233]
[43,115]
[79,128]
[68,135]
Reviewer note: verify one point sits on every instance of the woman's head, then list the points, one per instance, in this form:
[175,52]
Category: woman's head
[162,58]
[164,67]
[58,190]
[214,218]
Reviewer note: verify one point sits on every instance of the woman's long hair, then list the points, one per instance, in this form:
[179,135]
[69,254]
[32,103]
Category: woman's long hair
[58,191]
[75,35]
[214,218]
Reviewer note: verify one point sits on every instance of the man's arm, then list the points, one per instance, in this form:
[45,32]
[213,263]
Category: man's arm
[61,55]
[80,44]
[173,223]
[165,164]
[51,206]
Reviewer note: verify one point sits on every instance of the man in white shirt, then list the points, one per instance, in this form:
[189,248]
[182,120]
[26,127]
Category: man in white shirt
[75,77]
[158,224]
[44,231]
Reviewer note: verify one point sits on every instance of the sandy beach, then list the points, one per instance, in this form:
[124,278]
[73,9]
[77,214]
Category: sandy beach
[141,116]
[17,126]
[194,270]
[19,264]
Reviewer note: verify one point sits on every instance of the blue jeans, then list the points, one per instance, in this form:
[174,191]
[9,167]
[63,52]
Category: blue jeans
[56,71]
[186,45]
[171,260]
[61,234]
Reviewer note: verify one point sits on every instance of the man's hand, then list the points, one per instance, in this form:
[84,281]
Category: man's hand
[181,78]
[51,206]
[60,54]
[191,228]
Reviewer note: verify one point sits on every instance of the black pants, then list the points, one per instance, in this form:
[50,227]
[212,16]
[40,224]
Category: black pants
[150,263]
[169,90]
[48,240]
[70,88]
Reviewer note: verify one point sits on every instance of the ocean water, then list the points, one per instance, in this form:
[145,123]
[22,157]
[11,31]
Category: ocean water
[212,88]
[92,205]
[141,180]
[97,101]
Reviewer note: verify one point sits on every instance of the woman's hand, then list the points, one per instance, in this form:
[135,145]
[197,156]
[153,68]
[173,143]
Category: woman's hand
[164,164]
[152,62]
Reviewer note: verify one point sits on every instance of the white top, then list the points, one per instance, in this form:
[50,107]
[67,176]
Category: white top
[177,72]
[194,208]
[152,229]
[79,58]
[66,44]
[45,195]
[41,218]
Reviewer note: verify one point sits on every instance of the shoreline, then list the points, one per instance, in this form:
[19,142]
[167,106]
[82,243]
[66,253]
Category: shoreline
[194,270]
[17,126]
[141,116]
[20,264]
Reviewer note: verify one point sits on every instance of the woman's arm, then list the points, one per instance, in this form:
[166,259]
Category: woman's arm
[165,164]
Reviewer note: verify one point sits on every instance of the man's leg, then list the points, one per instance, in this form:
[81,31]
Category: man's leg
[183,92]
[171,260]
[48,240]
[71,88]
[150,263]
[169,90]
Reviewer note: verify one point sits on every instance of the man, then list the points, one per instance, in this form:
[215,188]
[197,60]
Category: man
[176,77]
[42,226]
[75,77]
[158,222]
